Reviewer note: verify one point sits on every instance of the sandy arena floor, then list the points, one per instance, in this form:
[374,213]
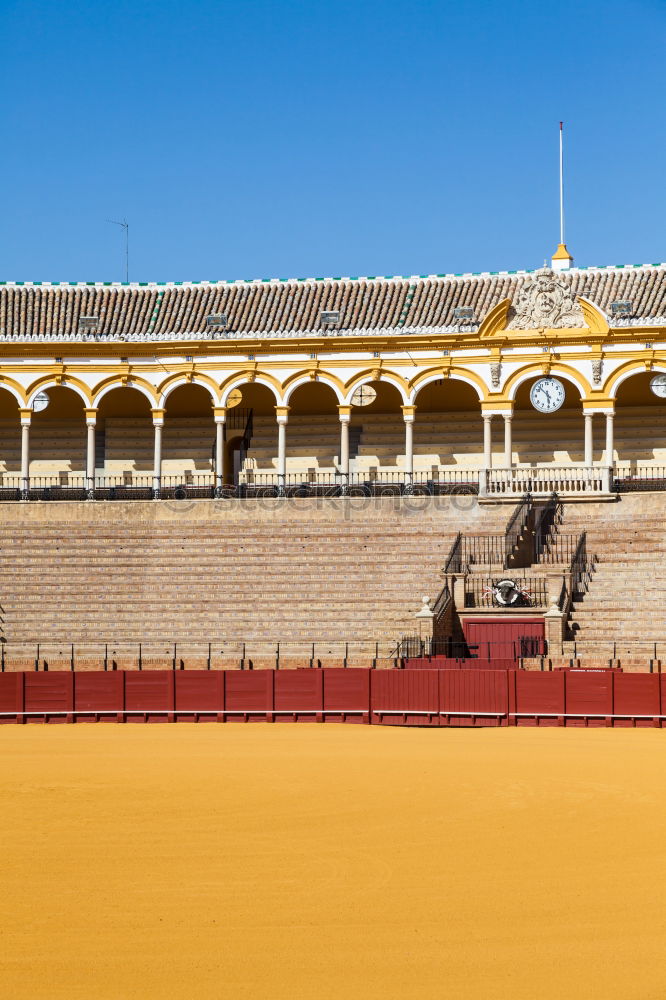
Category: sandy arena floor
[297,861]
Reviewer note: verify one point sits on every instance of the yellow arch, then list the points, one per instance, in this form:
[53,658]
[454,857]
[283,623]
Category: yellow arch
[57,382]
[250,375]
[534,370]
[312,375]
[626,370]
[132,382]
[462,374]
[370,375]
[176,379]
[15,389]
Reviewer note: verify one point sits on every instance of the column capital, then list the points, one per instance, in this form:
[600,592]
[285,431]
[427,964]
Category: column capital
[408,413]
[26,415]
[158,416]
[282,414]
[220,414]
[344,412]
[91,415]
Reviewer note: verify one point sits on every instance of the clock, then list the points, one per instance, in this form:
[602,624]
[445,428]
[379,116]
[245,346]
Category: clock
[658,385]
[547,394]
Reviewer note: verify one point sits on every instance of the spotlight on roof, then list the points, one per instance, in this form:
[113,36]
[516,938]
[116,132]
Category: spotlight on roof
[465,313]
[330,317]
[621,308]
[89,325]
[218,321]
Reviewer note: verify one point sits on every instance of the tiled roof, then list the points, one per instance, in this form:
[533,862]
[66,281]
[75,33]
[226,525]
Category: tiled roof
[277,308]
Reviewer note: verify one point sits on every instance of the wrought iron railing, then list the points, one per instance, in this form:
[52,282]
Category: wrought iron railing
[515,528]
[480,592]
[414,647]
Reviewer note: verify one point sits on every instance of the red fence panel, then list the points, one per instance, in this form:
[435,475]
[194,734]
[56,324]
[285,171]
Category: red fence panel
[635,695]
[50,694]
[346,695]
[248,695]
[98,695]
[540,698]
[11,697]
[589,693]
[298,695]
[474,697]
[149,696]
[406,698]
[199,695]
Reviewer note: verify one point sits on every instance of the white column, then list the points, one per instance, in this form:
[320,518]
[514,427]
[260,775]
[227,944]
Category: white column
[487,441]
[508,443]
[91,420]
[589,444]
[25,452]
[220,421]
[158,422]
[344,413]
[408,413]
[609,439]
[282,415]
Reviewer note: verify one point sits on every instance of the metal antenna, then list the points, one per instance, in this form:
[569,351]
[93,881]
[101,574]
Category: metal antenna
[124,225]
[561,188]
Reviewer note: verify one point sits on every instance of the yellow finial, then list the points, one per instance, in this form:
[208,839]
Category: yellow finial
[562,259]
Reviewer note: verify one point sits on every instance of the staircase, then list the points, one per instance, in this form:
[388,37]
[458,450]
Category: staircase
[627,597]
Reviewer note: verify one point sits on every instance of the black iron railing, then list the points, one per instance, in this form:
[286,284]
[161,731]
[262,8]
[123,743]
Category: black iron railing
[581,568]
[516,527]
[546,526]
[482,592]
[414,647]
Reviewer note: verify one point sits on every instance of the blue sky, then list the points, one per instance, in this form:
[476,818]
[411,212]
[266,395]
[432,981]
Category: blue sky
[262,139]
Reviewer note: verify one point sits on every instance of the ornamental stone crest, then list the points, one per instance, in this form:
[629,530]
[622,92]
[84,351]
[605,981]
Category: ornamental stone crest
[545,301]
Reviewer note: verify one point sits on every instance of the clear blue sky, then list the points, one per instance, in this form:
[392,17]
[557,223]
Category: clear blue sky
[315,138]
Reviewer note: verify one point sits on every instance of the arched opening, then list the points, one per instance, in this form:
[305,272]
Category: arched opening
[124,435]
[313,431]
[10,436]
[58,438]
[188,438]
[377,431]
[250,432]
[448,431]
[556,438]
[640,424]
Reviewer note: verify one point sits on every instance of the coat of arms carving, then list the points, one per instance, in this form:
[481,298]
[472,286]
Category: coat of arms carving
[545,300]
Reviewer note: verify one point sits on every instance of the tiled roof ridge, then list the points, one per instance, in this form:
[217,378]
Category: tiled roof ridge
[462,276]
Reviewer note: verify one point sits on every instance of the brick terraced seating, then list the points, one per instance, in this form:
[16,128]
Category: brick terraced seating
[280,571]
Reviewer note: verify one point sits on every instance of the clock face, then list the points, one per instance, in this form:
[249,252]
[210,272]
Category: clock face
[658,385]
[547,395]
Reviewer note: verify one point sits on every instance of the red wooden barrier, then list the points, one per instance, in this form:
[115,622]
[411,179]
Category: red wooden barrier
[474,698]
[149,696]
[589,697]
[298,695]
[405,698]
[346,695]
[248,695]
[11,697]
[99,697]
[49,696]
[199,695]
[539,699]
[396,697]
[638,697]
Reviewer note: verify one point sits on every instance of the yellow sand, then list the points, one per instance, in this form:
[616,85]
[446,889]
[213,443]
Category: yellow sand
[294,861]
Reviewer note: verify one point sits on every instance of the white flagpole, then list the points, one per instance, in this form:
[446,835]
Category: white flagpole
[561,189]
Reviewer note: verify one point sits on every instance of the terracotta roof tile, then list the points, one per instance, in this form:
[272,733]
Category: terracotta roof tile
[282,308]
